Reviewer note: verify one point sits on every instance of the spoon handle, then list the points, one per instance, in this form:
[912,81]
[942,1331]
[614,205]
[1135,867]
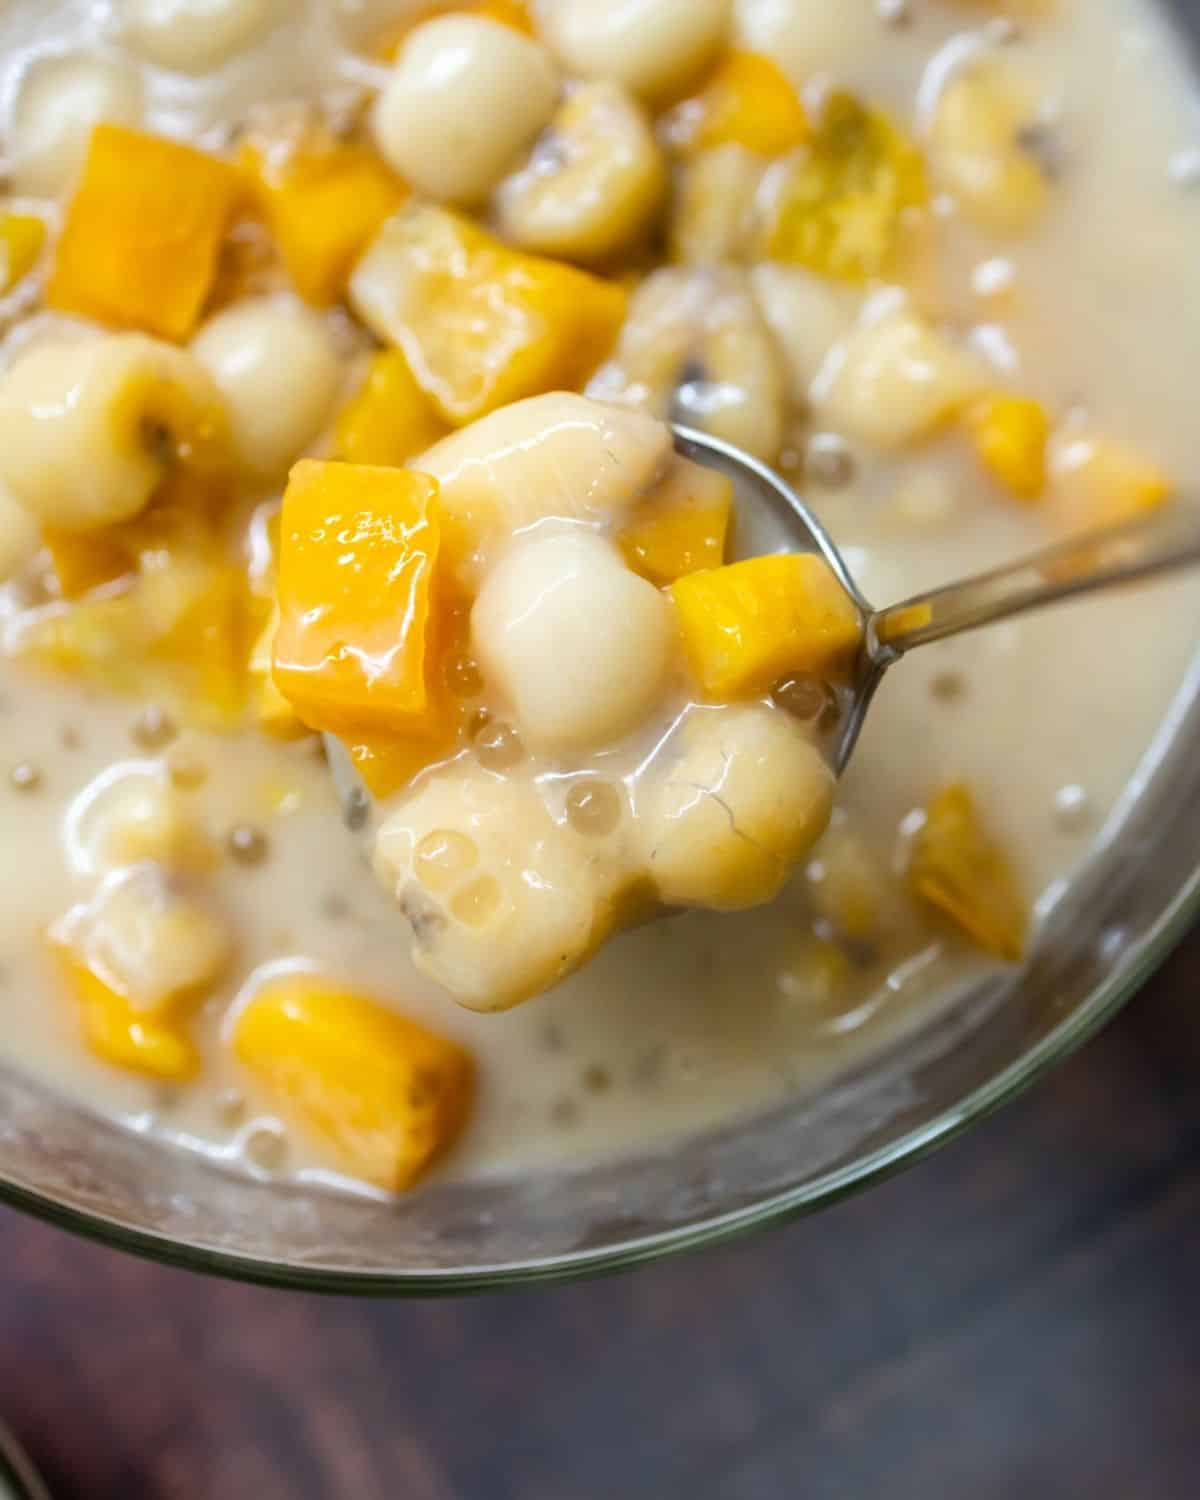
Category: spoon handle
[1158,543]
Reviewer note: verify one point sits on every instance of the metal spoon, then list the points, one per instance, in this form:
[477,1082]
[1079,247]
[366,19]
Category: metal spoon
[1161,542]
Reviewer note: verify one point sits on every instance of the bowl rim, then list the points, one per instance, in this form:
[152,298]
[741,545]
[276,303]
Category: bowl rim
[1101,1005]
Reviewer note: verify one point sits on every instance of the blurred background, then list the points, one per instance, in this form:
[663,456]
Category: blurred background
[1020,1314]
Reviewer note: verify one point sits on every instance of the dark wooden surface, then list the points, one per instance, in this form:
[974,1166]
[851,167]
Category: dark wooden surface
[1019,1316]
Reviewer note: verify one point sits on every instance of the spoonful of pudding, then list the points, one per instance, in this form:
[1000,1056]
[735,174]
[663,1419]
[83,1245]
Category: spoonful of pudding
[557,705]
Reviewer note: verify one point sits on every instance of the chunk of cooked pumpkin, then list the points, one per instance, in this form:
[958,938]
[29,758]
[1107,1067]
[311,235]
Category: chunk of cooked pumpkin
[749,624]
[389,419]
[86,560]
[841,207]
[387,763]
[358,549]
[387,1096]
[323,201]
[21,239]
[481,325]
[681,526]
[959,868]
[120,1034]
[1010,435]
[748,102]
[137,958]
[143,230]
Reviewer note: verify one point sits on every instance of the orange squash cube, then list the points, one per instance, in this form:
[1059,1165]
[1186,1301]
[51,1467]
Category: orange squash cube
[119,1033]
[85,560]
[681,527]
[387,763]
[959,869]
[385,1095]
[481,325]
[21,239]
[386,766]
[1010,435]
[137,959]
[748,102]
[389,419]
[323,204]
[749,624]
[143,231]
[358,549]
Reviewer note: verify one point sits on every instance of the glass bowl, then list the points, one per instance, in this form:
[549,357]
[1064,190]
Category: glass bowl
[1135,899]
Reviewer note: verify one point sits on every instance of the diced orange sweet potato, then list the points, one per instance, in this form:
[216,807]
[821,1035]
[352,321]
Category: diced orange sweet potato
[681,527]
[140,1039]
[481,325]
[21,239]
[323,202]
[1010,435]
[389,419]
[958,868]
[387,763]
[386,766]
[86,560]
[120,1034]
[142,234]
[749,624]
[385,1095]
[358,549]
[747,102]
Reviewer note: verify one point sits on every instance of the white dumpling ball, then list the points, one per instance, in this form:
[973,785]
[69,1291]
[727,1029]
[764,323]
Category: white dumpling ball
[578,644]
[724,824]
[652,47]
[276,365]
[194,36]
[60,99]
[465,99]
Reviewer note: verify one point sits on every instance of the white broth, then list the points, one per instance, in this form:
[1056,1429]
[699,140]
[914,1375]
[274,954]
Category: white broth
[686,1023]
